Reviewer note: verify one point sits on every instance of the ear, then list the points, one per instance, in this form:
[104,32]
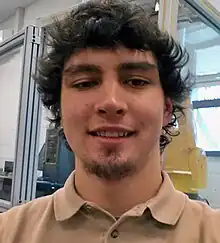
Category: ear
[168,108]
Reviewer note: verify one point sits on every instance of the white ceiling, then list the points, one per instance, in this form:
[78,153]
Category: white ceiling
[8,7]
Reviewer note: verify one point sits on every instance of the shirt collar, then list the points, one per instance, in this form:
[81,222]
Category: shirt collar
[66,201]
[166,207]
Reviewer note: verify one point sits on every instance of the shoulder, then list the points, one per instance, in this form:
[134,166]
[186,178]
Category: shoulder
[37,205]
[202,210]
[207,218]
[29,213]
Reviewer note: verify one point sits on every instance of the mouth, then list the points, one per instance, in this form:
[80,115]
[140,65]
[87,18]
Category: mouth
[112,135]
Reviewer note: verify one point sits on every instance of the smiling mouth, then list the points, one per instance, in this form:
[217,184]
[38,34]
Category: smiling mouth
[106,134]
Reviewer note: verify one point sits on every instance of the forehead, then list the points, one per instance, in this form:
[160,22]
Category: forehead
[110,58]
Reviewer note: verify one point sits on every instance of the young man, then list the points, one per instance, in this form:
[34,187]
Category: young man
[112,82]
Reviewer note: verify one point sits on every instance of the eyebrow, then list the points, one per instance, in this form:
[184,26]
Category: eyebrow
[91,68]
[81,68]
[143,66]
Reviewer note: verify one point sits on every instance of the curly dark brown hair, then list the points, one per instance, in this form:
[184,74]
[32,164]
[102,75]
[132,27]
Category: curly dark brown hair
[108,24]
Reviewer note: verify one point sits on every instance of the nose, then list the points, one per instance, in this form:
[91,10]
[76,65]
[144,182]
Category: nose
[112,102]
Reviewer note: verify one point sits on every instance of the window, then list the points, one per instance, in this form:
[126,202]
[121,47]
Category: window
[206,110]
[202,42]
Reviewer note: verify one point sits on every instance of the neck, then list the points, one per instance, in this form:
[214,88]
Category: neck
[120,196]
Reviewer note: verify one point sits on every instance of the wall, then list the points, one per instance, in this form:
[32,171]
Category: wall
[40,9]
[44,8]
[7,28]
[7,24]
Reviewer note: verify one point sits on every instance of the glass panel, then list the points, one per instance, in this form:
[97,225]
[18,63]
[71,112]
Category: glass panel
[207,128]
[203,45]
[206,93]
[207,58]
[55,161]
[10,85]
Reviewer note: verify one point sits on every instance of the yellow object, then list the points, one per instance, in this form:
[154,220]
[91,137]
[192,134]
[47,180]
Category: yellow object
[184,162]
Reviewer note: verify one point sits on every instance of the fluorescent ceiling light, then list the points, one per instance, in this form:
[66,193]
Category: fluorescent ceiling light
[157,7]
[1,35]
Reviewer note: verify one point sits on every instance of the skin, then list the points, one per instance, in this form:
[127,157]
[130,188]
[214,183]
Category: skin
[114,89]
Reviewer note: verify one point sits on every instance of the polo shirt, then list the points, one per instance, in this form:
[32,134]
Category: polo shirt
[64,217]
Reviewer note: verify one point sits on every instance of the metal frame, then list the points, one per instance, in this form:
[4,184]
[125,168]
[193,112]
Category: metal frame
[12,43]
[199,104]
[24,165]
[37,115]
[213,153]
[205,14]
[27,135]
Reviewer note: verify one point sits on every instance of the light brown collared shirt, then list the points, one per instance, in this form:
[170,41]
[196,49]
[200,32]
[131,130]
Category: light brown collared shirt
[65,218]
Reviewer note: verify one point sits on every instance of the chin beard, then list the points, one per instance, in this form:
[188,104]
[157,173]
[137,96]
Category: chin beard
[110,168]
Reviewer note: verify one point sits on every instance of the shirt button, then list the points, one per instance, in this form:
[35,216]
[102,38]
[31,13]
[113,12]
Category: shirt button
[89,207]
[114,234]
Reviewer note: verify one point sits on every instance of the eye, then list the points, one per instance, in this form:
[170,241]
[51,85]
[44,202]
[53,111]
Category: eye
[85,84]
[137,82]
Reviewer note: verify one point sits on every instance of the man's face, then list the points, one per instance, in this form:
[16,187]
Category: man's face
[113,109]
